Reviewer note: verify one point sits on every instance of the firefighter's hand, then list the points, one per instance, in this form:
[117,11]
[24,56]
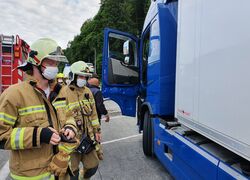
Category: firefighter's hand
[98,137]
[68,132]
[107,118]
[55,138]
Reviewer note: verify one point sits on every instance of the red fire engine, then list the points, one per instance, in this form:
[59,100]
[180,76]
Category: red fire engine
[13,51]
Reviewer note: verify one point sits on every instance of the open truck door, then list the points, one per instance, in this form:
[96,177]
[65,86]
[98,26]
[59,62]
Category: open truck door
[120,69]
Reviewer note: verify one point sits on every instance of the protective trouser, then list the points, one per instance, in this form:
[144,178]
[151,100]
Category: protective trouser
[90,163]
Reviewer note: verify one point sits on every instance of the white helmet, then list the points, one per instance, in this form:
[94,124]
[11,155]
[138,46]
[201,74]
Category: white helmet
[79,68]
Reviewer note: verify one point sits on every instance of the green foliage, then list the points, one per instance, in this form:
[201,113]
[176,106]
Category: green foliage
[123,15]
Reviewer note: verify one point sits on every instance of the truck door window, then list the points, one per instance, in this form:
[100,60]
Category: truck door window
[122,69]
[145,54]
[154,47]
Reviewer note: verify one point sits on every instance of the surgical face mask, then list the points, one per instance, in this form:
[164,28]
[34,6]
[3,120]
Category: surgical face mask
[81,82]
[50,72]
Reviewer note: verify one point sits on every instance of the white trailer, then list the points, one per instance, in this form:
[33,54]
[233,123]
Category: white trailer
[212,75]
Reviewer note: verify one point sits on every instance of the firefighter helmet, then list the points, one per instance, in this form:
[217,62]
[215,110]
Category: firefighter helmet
[60,75]
[79,68]
[45,48]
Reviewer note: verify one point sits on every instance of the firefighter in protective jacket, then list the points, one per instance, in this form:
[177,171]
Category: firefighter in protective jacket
[29,126]
[80,103]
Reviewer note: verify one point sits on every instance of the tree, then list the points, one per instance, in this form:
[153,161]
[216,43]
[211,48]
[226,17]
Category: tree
[124,15]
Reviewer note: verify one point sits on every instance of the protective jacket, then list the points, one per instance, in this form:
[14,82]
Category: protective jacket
[24,111]
[78,102]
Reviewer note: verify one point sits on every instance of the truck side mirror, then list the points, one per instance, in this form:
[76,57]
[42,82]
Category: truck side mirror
[126,48]
[126,60]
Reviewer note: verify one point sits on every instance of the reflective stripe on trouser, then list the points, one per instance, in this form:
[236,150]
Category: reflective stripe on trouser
[45,176]
[17,138]
[31,110]
[7,118]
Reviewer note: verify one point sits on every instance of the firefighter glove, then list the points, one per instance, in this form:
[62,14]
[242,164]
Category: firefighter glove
[60,161]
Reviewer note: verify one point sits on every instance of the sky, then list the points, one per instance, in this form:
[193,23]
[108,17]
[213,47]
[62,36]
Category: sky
[60,20]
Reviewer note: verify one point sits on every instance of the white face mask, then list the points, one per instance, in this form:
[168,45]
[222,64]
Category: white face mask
[50,72]
[81,82]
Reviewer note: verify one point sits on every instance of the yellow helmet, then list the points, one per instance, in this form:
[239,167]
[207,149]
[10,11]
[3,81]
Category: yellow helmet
[60,75]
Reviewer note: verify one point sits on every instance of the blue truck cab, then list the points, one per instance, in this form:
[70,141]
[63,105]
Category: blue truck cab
[150,72]
[139,74]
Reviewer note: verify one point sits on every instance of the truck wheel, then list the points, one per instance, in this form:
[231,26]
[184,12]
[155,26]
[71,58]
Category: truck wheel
[147,139]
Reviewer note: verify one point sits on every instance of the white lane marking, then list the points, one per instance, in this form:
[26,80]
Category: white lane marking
[4,172]
[121,116]
[121,139]
[116,117]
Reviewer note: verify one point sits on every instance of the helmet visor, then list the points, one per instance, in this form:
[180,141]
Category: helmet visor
[57,55]
[59,58]
[84,74]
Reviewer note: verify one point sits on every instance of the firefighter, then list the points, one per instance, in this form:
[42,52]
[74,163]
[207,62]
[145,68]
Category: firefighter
[60,79]
[29,126]
[80,102]
[94,85]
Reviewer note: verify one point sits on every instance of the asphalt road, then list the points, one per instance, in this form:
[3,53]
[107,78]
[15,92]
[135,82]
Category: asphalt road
[124,158]
[123,155]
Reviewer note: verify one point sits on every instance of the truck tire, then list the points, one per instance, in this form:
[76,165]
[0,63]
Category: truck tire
[147,138]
